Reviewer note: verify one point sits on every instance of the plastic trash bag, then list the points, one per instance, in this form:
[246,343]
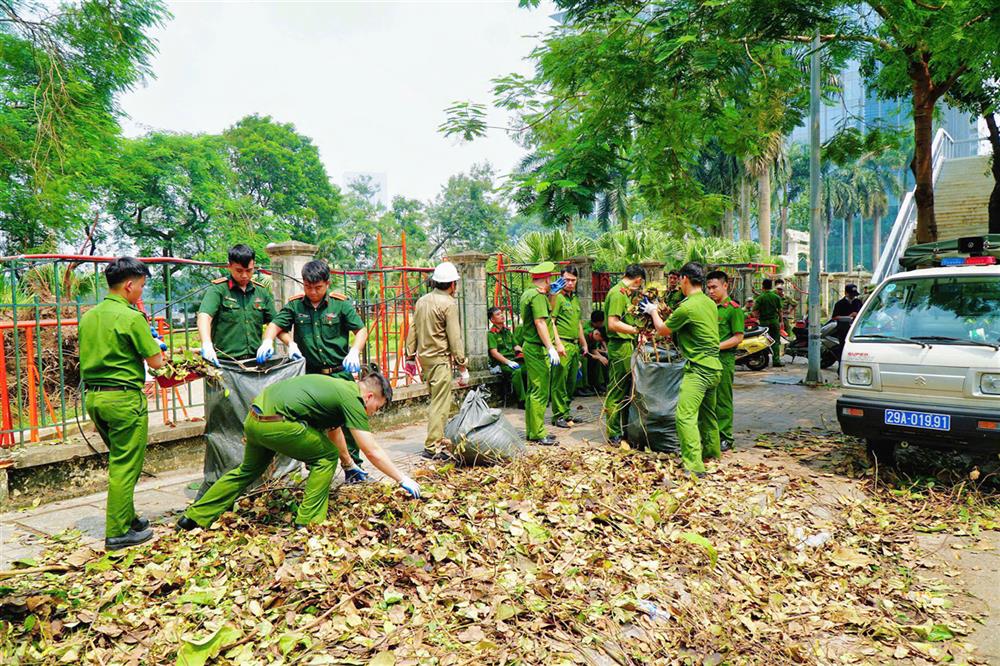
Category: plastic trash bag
[226,407]
[652,412]
[480,435]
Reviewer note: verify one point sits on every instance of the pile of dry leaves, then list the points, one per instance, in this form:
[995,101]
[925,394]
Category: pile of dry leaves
[601,556]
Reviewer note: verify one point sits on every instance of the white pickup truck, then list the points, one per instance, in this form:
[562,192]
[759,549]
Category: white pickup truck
[921,364]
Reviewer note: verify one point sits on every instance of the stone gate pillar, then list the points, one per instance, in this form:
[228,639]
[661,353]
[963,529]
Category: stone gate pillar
[472,306]
[654,271]
[287,260]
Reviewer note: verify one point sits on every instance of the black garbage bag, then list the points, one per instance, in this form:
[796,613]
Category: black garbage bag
[481,435]
[652,412]
[226,407]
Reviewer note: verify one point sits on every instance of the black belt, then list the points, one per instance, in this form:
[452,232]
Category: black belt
[111,388]
[259,416]
[335,370]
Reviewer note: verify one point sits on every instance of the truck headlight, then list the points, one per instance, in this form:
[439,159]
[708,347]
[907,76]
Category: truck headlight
[989,383]
[862,376]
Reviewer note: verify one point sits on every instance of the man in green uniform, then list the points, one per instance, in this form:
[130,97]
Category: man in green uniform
[542,349]
[321,322]
[570,330]
[234,310]
[730,336]
[304,418]
[115,338]
[503,352]
[694,326]
[674,294]
[596,376]
[768,306]
[788,306]
[622,332]
[435,337]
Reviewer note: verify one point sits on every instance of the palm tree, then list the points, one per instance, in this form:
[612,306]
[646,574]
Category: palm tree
[613,202]
[866,186]
[719,173]
[841,202]
[759,166]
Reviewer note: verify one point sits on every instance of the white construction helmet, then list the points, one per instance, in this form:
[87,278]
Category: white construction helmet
[445,272]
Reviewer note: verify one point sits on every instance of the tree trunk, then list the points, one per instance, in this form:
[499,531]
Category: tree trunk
[569,225]
[764,210]
[876,239]
[923,160]
[994,208]
[727,223]
[849,242]
[744,218]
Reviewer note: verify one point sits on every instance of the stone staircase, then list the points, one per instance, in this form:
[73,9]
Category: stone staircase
[961,197]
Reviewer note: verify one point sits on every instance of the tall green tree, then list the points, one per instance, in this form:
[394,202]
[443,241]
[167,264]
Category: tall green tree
[468,213]
[61,69]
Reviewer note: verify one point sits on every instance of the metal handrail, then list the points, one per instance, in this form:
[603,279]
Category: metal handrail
[942,149]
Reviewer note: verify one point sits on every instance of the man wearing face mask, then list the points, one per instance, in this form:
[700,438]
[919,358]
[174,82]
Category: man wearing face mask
[322,322]
[304,418]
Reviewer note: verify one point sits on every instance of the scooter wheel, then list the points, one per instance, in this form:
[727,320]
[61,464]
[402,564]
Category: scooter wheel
[827,359]
[758,361]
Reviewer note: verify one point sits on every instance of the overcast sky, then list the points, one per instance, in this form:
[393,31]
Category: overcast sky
[369,81]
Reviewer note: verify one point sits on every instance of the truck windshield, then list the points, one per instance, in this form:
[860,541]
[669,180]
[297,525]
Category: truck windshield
[944,309]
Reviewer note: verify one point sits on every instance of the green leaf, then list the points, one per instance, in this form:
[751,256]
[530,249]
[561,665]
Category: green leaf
[536,533]
[392,596]
[505,612]
[201,596]
[699,540]
[289,641]
[384,658]
[197,652]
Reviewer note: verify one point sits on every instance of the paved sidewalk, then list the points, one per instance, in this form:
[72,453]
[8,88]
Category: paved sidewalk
[760,407]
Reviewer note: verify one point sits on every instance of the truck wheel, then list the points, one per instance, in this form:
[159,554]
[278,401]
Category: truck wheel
[758,361]
[882,451]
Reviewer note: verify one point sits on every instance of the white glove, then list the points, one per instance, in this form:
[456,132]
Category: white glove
[650,307]
[208,353]
[495,370]
[294,353]
[410,486]
[463,377]
[553,356]
[265,351]
[512,365]
[352,362]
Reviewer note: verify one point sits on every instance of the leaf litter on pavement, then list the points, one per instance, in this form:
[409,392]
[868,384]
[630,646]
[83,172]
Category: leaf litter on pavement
[597,556]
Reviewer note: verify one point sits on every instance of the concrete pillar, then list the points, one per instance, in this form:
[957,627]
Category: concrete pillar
[287,260]
[585,285]
[654,271]
[472,299]
[824,293]
[746,283]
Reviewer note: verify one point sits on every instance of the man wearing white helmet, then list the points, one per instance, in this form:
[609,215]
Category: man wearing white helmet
[435,337]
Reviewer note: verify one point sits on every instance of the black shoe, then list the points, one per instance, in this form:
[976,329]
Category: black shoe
[130,538]
[699,475]
[435,455]
[186,524]
[561,423]
[548,440]
[615,440]
[725,445]
[139,524]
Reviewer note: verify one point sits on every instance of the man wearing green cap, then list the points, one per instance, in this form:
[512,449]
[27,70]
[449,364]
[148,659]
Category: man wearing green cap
[570,330]
[622,332]
[542,349]
[115,339]
[694,326]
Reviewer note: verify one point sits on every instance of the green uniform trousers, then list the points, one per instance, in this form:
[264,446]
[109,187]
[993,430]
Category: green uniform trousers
[597,374]
[539,373]
[263,440]
[438,378]
[697,423]
[774,330]
[516,380]
[564,381]
[352,446]
[724,396]
[619,393]
[121,418]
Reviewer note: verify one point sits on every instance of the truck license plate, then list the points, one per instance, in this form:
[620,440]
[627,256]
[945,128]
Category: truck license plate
[924,420]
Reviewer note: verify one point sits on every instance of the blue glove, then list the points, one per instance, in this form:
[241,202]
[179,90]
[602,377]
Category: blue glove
[208,353]
[579,374]
[158,338]
[410,486]
[557,286]
[355,475]
[294,353]
[352,362]
[265,351]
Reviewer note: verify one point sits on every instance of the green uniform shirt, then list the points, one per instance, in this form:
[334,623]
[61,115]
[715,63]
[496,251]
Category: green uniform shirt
[567,316]
[618,303]
[323,333]
[238,316]
[695,327]
[674,298]
[534,305]
[114,339]
[501,339]
[731,321]
[768,306]
[317,400]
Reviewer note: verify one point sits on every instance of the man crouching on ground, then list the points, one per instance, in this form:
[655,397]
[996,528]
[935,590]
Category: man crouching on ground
[303,418]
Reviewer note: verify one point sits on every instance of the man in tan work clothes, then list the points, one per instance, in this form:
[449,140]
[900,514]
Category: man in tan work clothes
[435,337]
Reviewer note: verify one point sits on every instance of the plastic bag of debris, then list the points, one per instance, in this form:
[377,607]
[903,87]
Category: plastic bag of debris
[656,382]
[481,435]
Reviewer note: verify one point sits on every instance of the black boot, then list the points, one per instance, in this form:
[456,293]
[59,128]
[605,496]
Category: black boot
[139,524]
[130,538]
[186,524]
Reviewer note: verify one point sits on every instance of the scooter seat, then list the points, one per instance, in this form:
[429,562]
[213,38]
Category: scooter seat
[754,332]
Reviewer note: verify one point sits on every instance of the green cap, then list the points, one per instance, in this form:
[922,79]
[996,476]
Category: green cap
[544,268]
